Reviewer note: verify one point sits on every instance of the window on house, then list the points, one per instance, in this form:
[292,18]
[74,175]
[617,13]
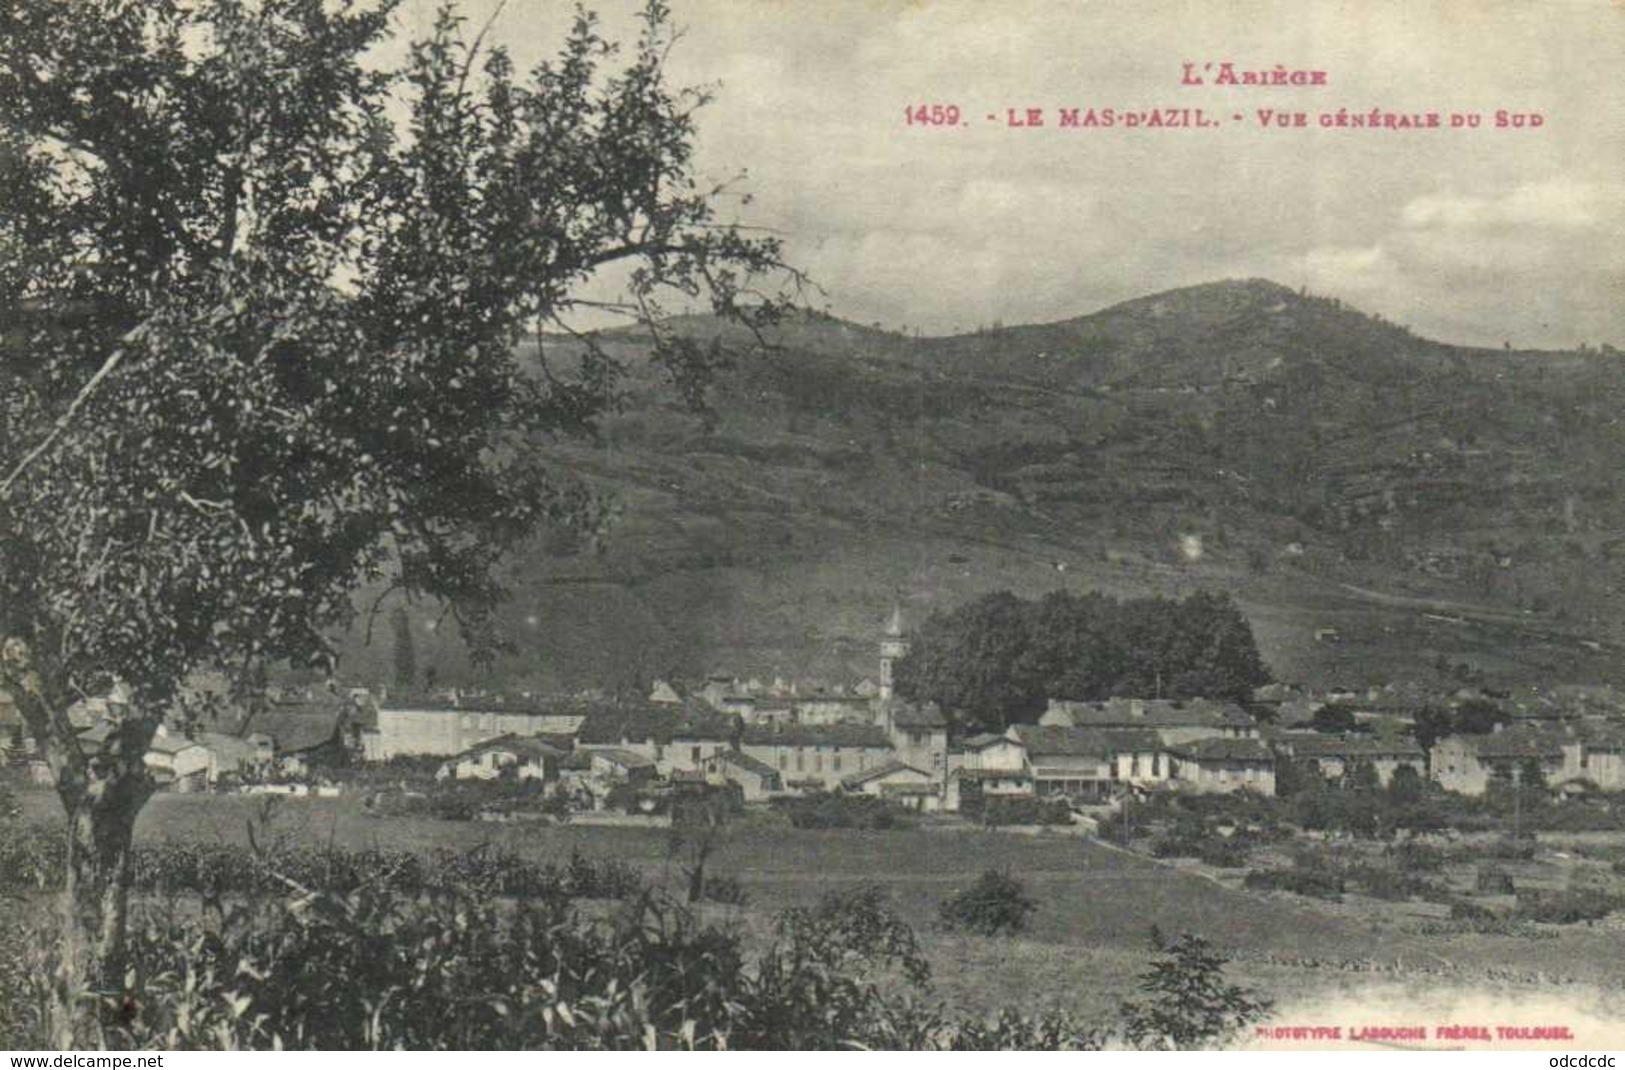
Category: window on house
[660,752]
[694,755]
[801,760]
[818,761]
[837,762]
[784,761]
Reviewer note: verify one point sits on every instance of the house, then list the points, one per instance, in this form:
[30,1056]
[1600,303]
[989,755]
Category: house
[821,755]
[897,780]
[1224,763]
[1469,763]
[992,752]
[833,709]
[1335,756]
[522,757]
[174,762]
[986,764]
[231,755]
[757,780]
[295,735]
[1174,720]
[612,764]
[450,726]
[672,738]
[664,694]
[1596,755]
[1090,762]
[698,734]
[919,734]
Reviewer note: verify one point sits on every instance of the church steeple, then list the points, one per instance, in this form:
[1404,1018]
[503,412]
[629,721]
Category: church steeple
[894,645]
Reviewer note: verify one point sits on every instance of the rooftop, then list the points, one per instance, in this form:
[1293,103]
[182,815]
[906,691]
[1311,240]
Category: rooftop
[1151,713]
[1061,741]
[815,735]
[1223,750]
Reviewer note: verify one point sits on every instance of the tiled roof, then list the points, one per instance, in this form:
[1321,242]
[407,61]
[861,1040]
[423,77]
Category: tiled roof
[964,773]
[530,746]
[295,726]
[1305,745]
[1519,741]
[881,771]
[635,724]
[815,735]
[625,758]
[917,715]
[1061,741]
[1153,713]
[1223,750]
[747,763]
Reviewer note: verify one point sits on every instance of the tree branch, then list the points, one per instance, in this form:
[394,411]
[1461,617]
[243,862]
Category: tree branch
[108,367]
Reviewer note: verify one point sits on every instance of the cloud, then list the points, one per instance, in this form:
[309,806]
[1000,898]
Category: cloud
[1557,203]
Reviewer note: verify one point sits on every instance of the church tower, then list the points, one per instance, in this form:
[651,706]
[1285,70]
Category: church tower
[893,646]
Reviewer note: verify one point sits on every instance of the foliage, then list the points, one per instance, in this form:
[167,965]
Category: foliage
[996,659]
[1025,810]
[262,304]
[404,649]
[1187,1002]
[1335,718]
[1568,907]
[1013,1031]
[832,810]
[1312,874]
[699,815]
[996,903]
[33,858]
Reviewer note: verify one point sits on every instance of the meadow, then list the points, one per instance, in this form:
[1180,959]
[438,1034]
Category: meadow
[1085,944]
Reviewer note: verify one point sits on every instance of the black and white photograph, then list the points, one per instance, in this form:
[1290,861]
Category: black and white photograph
[926,525]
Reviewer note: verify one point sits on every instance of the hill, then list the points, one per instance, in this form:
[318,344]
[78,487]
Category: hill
[1430,512]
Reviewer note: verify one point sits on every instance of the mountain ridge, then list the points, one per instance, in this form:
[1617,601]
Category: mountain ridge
[1236,435]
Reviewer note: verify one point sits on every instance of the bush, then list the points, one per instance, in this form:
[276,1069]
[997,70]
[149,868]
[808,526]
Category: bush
[1382,882]
[1311,875]
[996,903]
[1413,857]
[726,890]
[828,810]
[1567,907]
[1188,1002]
[1025,810]
[1493,880]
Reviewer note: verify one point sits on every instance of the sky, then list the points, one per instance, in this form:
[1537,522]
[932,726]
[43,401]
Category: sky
[1482,236]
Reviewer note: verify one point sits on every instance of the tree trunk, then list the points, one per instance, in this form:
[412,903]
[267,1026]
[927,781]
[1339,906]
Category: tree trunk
[98,885]
[101,793]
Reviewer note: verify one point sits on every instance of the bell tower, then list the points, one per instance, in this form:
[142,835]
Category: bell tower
[893,645]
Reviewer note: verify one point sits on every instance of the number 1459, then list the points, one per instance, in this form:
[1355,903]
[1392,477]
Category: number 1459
[931,115]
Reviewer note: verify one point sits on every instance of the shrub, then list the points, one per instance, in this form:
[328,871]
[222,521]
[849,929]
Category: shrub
[830,810]
[1013,1031]
[1315,883]
[1188,1003]
[996,903]
[1025,810]
[1493,880]
[1567,907]
[727,890]
[1413,857]
[1382,882]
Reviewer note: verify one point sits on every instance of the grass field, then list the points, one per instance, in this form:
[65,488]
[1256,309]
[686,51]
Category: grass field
[1086,944]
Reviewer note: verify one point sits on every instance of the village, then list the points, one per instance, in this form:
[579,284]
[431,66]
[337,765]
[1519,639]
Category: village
[771,740]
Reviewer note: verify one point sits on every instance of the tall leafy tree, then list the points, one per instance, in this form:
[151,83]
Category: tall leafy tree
[261,302]
[997,659]
[405,649]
